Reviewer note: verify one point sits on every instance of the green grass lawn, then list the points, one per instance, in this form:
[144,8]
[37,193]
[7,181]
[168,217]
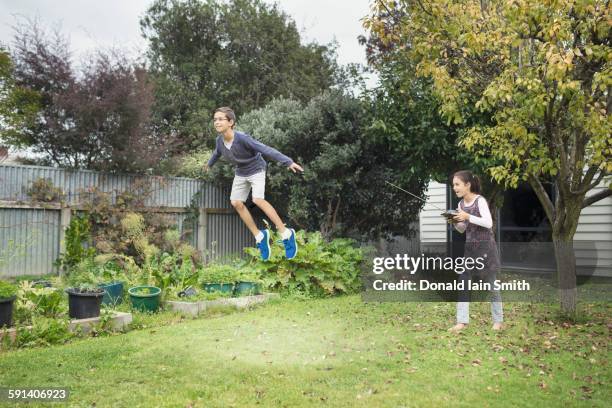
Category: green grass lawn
[336,352]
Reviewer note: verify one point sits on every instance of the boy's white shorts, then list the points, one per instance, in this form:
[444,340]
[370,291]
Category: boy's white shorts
[242,185]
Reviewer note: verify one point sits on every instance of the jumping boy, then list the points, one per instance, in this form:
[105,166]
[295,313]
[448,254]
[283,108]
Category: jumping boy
[247,154]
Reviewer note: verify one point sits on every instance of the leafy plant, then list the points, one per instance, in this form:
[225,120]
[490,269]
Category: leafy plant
[77,234]
[110,272]
[7,290]
[248,274]
[45,331]
[83,274]
[38,301]
[86,288]
[218,273]
[320,268]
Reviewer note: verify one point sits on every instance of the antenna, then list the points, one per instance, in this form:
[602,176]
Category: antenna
[415,196]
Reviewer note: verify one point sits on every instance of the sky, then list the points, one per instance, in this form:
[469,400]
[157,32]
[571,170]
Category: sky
[92,24]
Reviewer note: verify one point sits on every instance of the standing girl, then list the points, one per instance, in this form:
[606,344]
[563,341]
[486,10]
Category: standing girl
[475,220]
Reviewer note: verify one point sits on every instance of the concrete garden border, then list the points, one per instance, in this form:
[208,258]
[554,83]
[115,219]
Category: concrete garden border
[195,308]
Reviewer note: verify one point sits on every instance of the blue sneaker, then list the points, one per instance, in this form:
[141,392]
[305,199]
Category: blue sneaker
[264,245]
[291,247]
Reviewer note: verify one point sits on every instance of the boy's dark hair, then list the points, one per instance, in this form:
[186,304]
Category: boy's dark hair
[468,177]
[229,114]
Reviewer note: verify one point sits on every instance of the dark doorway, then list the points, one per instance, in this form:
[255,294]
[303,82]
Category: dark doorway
[524,230]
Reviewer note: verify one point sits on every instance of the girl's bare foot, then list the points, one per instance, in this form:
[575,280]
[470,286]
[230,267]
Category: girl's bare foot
[457,328]
[498,326]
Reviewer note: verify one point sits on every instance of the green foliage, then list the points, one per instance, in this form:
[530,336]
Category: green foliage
[110,270]
[18,105]
[407,114]
[342,191]
[218,273]
[190,164]
[45,331]
[86,288]
[7,290]
[540,71]
[133,225]
[320,268]
[38,301]
[91,272]
[170,270]
[205,54]
[78,233]
[172,238]
[248,274]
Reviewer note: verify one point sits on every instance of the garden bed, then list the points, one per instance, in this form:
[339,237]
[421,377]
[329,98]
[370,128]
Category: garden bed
[194,308]
[118,322]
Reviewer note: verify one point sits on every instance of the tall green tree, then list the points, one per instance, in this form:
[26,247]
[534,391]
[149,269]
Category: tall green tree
[406,112]
[542,70]
[242,54]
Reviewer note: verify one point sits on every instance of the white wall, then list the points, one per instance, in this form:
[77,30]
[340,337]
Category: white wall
[595,224]
[432,226]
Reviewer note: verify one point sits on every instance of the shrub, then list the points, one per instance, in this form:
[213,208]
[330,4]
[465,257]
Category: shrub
[171,270]
[38,301]
[77,234]
[320,268]
[45,331]
[248,274]
[218,273]
[133,225]
[191,164]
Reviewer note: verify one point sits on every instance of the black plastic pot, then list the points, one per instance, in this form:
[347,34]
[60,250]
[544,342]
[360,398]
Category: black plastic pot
[6,311]
[82,305]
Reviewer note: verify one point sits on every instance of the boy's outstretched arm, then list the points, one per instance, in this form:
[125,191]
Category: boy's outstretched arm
[213,159]
[272,154]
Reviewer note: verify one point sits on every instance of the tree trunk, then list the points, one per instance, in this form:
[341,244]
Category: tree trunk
[563,230]
[566,272]
[563,217]
[496,202]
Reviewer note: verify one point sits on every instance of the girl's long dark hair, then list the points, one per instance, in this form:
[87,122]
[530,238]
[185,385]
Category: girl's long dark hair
[468,177]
